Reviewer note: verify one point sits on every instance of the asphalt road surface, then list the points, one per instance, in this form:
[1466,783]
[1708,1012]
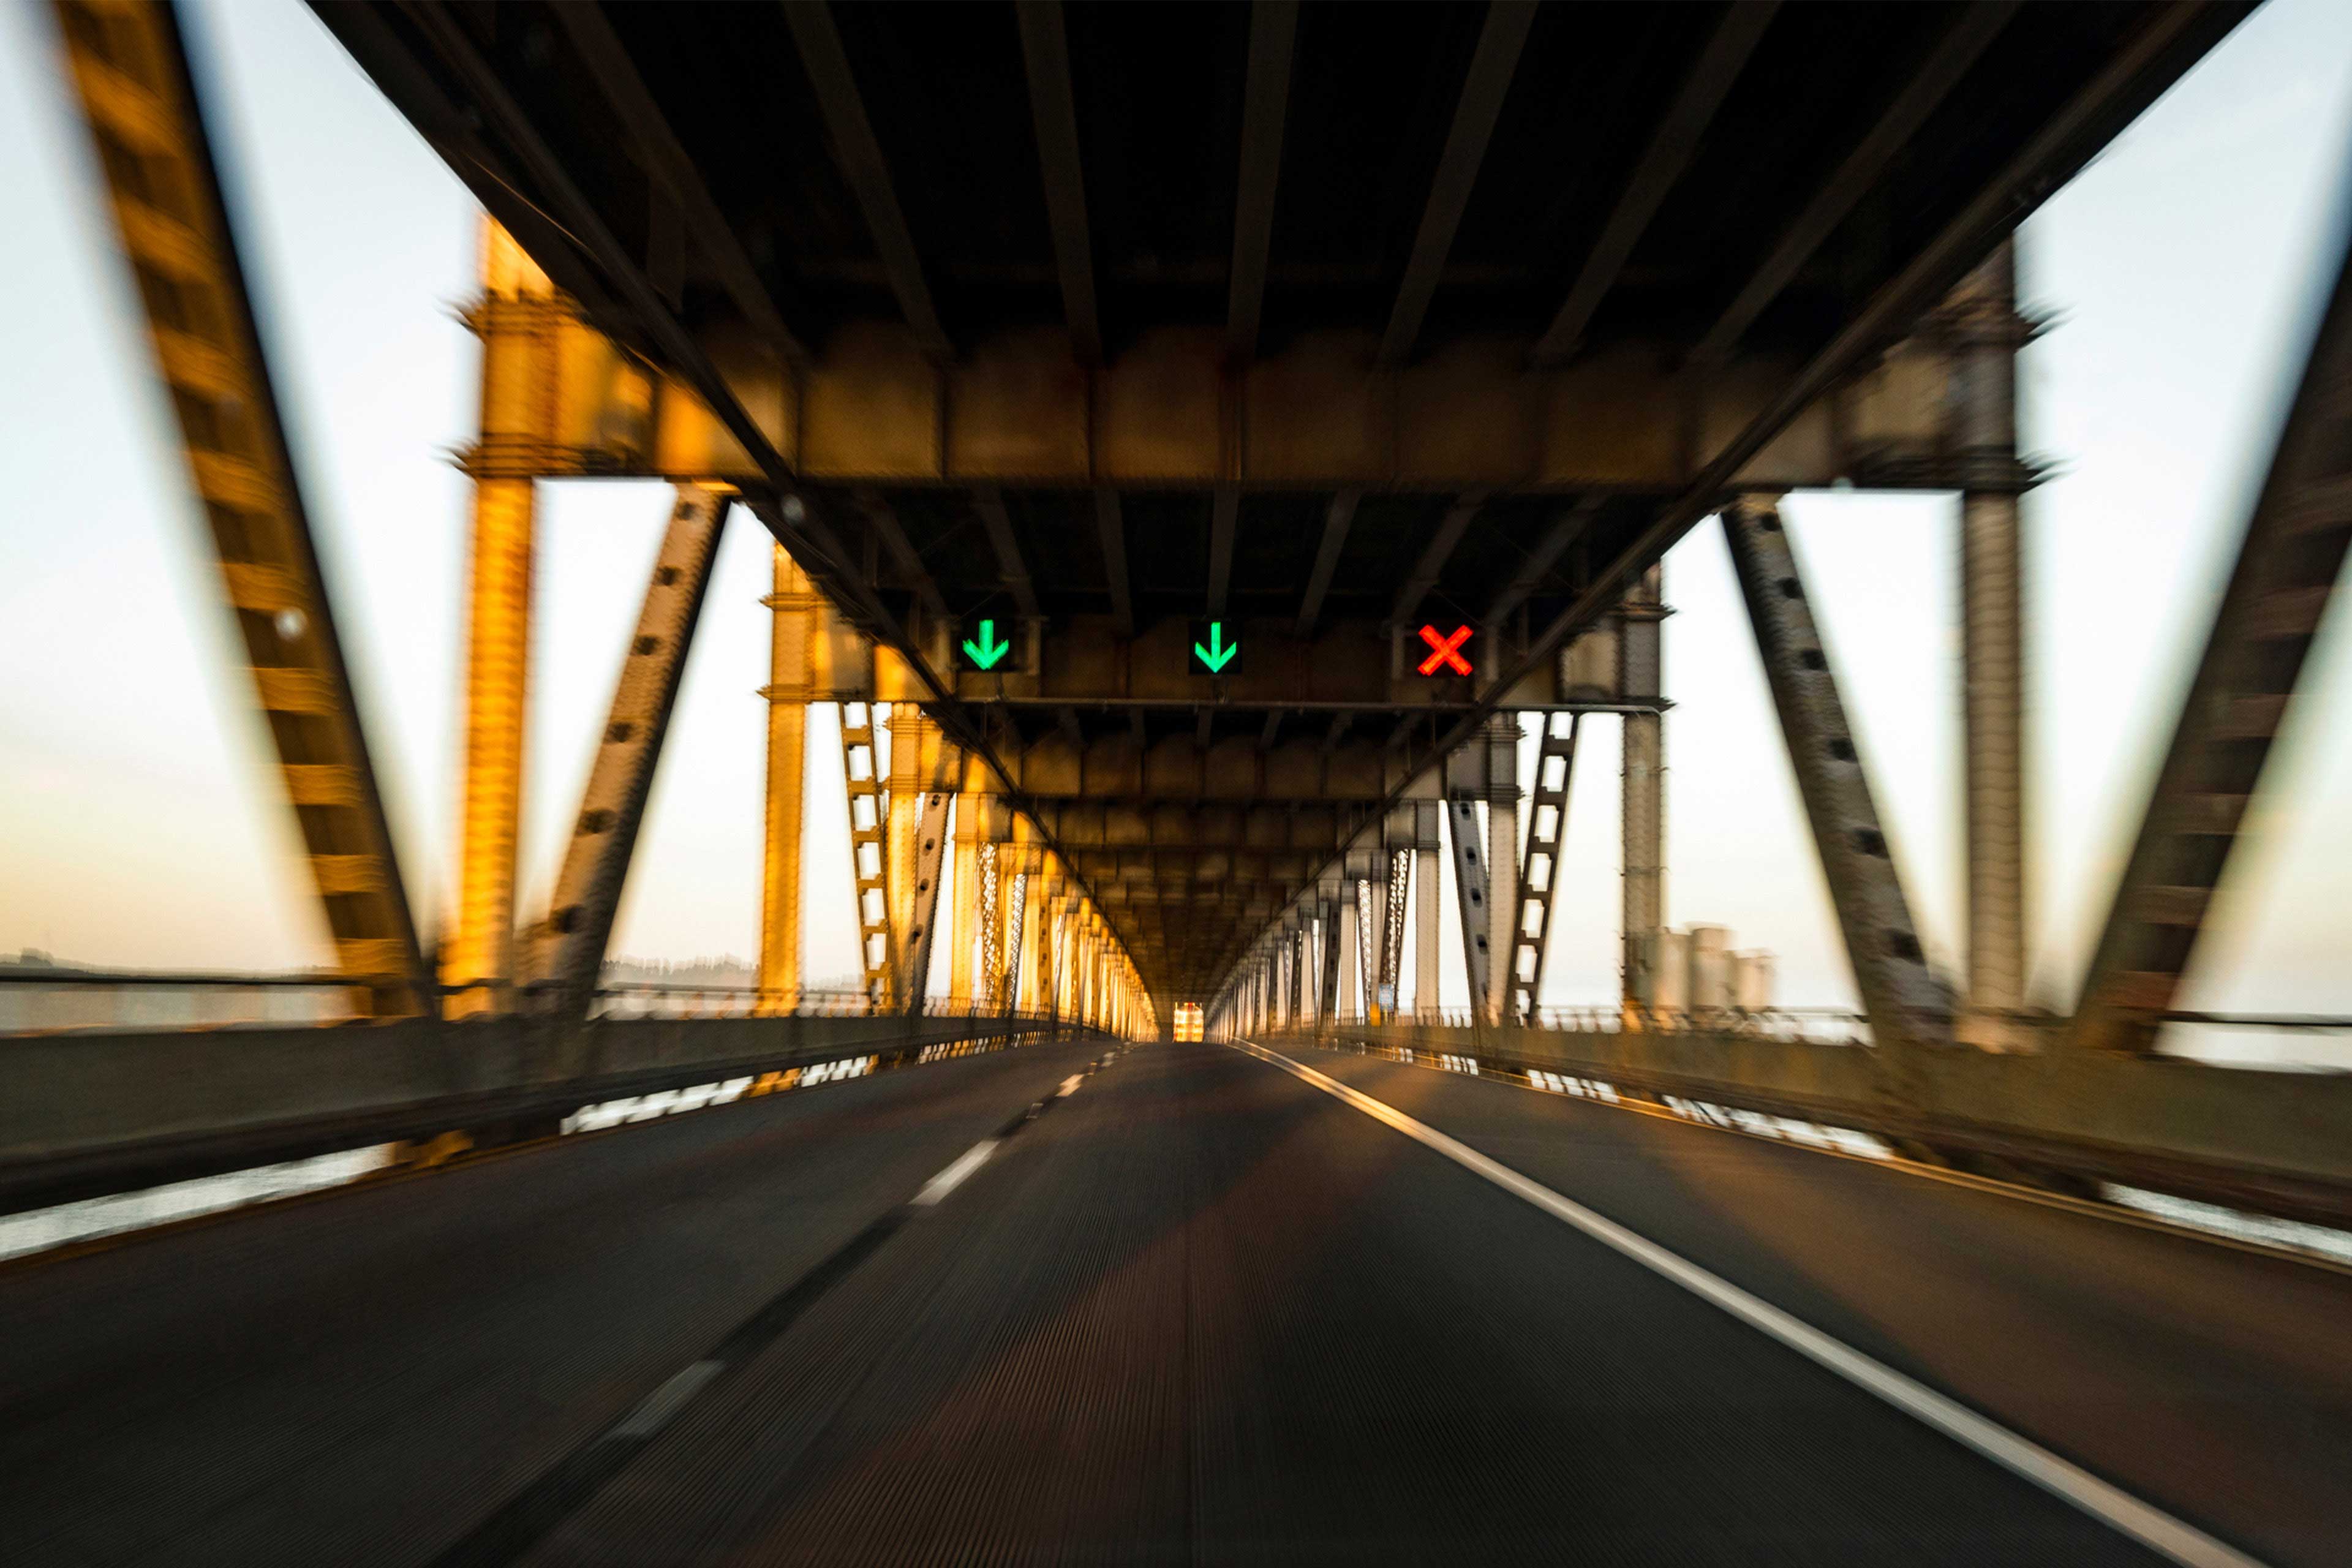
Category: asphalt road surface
[1197,1308]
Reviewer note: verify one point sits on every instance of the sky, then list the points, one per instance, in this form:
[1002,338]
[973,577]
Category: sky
[140,822]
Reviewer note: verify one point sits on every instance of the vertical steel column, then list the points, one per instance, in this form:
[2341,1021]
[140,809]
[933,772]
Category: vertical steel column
[570,942]
[1908,1005]
[794,607]
[2288,564]
[1502,740]
[1348,994]
[869,862]
[1539,877]
[1982,324]
[129,69]
[911,984]
[964,928]
[1327,992]
[520,319]
[1395,918]
[1471,897]
[1427,846]
[1643,800]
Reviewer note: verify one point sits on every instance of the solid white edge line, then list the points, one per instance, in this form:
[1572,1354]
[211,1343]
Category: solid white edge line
[654,1412]
[2144,1522]
[946,1181]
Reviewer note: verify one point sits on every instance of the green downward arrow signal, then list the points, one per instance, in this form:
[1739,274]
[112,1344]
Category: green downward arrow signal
[987,651]
[1218,653]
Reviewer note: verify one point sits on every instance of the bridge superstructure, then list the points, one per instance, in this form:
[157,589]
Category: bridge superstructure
[1194,440]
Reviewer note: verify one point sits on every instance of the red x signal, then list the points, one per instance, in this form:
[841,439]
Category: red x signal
[1444,654]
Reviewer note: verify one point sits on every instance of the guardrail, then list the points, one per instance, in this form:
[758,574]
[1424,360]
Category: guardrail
[88,1113]
[2277,1142]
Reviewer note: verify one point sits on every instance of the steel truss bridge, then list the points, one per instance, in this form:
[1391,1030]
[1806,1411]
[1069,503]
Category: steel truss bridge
[1193,438]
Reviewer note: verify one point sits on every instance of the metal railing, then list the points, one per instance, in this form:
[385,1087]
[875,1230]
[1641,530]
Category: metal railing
[1812,1025]
[37,999]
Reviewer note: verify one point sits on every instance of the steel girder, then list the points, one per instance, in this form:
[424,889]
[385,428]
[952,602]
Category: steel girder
[2288,563]
[569,943]
[130,70]
[1907,1003]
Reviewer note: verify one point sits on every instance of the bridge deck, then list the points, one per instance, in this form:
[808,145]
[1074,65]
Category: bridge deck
[1196,1309]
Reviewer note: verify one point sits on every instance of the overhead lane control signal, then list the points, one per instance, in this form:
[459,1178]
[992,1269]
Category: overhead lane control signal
[1214,651]
[993,645]
[1446,652]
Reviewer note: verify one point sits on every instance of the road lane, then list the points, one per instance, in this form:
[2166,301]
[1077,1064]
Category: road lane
[2213,1380]
[1204,1312]
[355,1378]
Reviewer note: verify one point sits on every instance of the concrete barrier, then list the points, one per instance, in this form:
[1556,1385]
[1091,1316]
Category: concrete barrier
[84,1114]
[2277,1142]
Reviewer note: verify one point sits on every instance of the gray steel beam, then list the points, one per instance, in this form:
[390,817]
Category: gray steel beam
[1669,153]
[1982,319]
[1908,1005]
[1538,884]
[673,168]
[1489,82]
[1431,564]
[1224,515]
[1565,530]
[884,518]
[1642,826]
[1471,897]
[1336,520]
[864,168]
[1110,528]
[1046,56]
[1972,29]
[2172,39]
[2289,559]
[569,951]
[1265,104]
[1013,570]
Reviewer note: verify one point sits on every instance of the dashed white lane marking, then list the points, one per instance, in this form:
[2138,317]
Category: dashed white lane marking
[946,1181]
[1070,1085]
[651,1416]
[2144,1522]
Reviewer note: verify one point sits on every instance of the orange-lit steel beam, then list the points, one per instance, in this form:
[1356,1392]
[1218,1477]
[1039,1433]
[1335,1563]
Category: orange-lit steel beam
[131,71]
[520,319]
[970,896]
[797,612]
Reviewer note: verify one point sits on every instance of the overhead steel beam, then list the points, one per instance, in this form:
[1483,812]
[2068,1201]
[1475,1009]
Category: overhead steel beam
[884,520]
[1265,105]
[2289,559]
[1565,531]
[2172,39]
[859,156]
[569,949]
[1662,163]
[128,66]
[1110,527]
[1336,520]
[667,161]
[1908,1005]
[1972,28]
[1489,82]
[1013,570]
[1431,566]
[1224,514]
[1046,55]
